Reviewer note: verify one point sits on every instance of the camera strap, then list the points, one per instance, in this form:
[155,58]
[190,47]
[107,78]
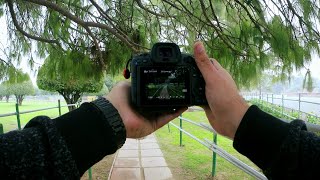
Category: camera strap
[126,71]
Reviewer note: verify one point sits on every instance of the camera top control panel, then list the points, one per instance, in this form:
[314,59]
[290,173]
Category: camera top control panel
[166,79]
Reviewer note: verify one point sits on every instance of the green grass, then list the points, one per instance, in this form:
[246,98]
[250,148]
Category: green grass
[193,160]
[10,122]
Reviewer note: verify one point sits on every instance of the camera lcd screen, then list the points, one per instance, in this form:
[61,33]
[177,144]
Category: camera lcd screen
[165,86]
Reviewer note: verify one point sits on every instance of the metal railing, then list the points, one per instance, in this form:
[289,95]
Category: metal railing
[212,146]
[263,100]
[270,98]
[18,113]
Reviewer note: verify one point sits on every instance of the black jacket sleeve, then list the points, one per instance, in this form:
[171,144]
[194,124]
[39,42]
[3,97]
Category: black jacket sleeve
[282,150]
[63,148]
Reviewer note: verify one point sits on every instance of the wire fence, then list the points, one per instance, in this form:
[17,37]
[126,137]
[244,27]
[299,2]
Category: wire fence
[212,146]
[304,103]
[285,109]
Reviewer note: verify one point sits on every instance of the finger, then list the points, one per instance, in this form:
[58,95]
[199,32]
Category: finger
[168,117]
[216,64]
[208,112]
[203,62]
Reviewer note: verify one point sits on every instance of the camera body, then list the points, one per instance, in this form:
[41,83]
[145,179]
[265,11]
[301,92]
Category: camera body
[166,79]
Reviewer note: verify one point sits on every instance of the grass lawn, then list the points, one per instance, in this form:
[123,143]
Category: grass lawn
[10,122]
[193,160]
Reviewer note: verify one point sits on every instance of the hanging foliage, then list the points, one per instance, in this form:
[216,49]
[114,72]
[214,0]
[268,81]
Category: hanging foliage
[242,35]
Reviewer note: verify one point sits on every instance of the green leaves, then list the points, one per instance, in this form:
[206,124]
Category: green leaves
[21,89]
[1,10]
[308,82]
[247,37]
[17,76]
[68,72]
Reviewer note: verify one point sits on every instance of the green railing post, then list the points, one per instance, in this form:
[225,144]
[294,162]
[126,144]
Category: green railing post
[59,107]
[1,128]
[180,131]
[90,174]
[18,116]
[214,156]
[169,128]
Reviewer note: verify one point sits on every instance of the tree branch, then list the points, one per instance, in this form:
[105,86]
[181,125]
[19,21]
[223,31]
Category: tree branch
[148,10]
[20,29]
[84,24]
[5,62]
[97,47]
[216,29]
[107,17]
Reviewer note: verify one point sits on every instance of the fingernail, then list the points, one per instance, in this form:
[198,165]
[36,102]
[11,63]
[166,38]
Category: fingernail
[199,48]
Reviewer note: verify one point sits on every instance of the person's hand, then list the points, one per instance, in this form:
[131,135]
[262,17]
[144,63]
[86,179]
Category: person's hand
[226,107]
[137,125]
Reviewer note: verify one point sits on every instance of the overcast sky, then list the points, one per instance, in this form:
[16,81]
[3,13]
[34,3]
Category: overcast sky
[314,65]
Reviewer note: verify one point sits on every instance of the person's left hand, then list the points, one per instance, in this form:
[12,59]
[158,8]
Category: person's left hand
[137,126]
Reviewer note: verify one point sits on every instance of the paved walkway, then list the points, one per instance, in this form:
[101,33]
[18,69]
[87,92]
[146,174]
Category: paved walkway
[140,160]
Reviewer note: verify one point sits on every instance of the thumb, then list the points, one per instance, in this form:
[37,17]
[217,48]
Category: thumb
[203,62]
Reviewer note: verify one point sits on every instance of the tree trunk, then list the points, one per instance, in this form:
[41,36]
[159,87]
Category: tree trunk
[69,101]
[71,98]
[1,98]
[7,98]
[20,99]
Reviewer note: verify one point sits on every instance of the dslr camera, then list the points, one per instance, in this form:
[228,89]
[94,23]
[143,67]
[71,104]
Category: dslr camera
[166,79]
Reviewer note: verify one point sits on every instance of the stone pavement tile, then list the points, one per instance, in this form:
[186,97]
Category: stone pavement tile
[126,173]
[149,140]
[149,146]
[131,146]
[157,173]
[124,153]
[129,140]
[151,153]
[153,162]
[151,136]
[127,162]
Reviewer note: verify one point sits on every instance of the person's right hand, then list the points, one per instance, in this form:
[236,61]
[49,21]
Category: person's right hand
[226,107]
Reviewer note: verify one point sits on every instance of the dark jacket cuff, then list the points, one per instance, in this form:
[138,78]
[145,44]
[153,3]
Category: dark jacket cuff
[259,137]
[88,135]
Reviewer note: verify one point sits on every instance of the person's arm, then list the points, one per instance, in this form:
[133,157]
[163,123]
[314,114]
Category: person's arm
[282,150]
[64,148]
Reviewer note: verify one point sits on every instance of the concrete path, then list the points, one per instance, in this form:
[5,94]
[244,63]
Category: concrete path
[140,160]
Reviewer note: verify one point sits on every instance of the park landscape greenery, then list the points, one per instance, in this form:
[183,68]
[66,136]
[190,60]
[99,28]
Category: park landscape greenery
[82,41]
[19,85]
[246,36]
